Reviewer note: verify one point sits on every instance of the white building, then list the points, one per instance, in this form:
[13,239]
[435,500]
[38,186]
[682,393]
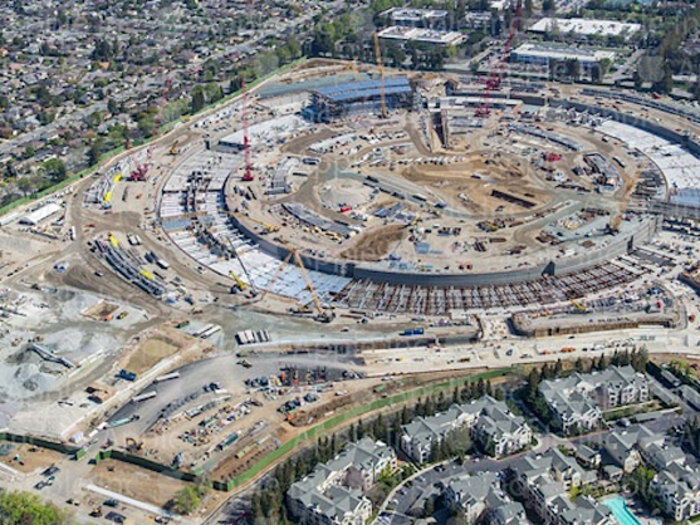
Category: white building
[425,36]
[578,399]
[40,214]
[544,54]
[585,27]
[411,17]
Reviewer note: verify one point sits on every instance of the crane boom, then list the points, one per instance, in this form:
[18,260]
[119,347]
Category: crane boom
[496,76]
[380,65]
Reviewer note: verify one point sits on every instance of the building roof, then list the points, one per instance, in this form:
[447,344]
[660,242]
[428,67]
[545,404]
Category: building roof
[429,36]
[365,89]
[585,26]
[38,215]
[321,491]
[558,52]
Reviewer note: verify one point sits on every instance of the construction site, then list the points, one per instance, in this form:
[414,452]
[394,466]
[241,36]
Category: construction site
[335,234]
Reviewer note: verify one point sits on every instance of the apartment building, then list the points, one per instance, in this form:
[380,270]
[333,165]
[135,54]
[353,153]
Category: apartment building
[578,400]
[492,425]
[333,494]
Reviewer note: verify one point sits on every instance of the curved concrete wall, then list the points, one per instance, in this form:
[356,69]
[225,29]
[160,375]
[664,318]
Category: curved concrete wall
[616,247]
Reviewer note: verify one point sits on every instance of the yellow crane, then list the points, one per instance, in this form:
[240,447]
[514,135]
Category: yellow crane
[322,313]
[239,282]
[629,189]
[380,65]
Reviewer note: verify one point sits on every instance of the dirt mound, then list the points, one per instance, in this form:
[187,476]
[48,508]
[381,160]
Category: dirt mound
[374,245]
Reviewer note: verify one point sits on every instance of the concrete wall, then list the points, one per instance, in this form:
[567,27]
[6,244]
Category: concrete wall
[619,246]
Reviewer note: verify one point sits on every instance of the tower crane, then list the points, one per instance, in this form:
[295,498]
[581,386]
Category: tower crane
[380,65]
[496,76]
[140,170]
[248,173]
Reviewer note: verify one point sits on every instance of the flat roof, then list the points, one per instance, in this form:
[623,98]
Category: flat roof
[585,26]
[367,89]
[431,36]
[408,13]
[563,52]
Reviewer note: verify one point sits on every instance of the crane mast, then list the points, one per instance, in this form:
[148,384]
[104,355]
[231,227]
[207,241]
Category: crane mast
[248,173]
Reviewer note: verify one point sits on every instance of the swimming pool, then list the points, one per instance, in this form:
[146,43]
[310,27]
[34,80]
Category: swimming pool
[620,511]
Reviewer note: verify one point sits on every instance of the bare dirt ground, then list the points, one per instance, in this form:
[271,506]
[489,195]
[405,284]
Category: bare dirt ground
[32,458]
[135,482]
[374,245]
[101,310]
[149,354]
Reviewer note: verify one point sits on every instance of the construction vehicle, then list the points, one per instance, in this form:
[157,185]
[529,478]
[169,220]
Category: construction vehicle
[253,289]
[577,305]
[269,228]
[240,284]
[380,65]
[132,445]
[322,313]
[174,149]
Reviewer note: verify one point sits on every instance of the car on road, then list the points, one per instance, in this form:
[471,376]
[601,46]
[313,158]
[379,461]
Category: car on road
[111,503]
[50,480]
[51,471]
[40,485]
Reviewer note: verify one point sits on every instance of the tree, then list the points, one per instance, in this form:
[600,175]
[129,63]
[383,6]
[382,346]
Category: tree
[198,102]
[25,185]
[186,501]
[54,169]
[638,81]
[23,508]
[113,106]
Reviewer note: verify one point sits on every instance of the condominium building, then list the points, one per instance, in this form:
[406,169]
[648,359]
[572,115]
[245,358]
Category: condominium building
[492,425]
[577,401]
[333,494]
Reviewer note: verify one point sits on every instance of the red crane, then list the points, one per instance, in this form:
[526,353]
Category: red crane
[248,173]
[496,76]
[141,170]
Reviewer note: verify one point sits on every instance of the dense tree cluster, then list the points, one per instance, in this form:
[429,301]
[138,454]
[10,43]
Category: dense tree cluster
[23,508]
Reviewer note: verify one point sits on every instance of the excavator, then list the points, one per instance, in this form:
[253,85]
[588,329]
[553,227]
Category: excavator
[132,445]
